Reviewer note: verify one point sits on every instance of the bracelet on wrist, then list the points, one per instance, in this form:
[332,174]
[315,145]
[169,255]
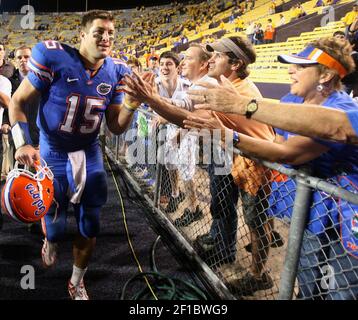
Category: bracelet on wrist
[130,106]
[236,137]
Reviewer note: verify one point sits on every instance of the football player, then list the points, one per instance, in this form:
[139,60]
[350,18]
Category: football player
[77,88]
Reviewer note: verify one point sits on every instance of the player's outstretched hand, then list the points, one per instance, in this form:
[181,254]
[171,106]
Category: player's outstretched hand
[223,97]
[27,155]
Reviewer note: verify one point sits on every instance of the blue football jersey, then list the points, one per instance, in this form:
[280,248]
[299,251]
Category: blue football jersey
[72,103]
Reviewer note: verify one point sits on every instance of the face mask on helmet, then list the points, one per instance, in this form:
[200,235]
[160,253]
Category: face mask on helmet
[26,196]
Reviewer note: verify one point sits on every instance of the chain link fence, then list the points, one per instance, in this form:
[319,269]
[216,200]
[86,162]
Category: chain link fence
[266,231]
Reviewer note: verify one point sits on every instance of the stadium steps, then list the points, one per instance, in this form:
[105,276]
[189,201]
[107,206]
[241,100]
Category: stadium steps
[268,69]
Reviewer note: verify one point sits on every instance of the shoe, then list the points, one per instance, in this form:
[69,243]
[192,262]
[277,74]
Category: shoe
[205,247]
[144,174]
[188,217]
[77,292]
[174,203]
[49,257]
[248,284]
[276,242]
[205,241]
[138,170]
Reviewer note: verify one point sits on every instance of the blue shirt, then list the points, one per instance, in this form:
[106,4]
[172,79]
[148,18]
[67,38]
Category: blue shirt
[340,158]
[339,163]
[353,118]
[72,102]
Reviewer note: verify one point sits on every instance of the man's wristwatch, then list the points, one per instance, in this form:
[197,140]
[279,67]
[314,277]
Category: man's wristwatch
[251,108]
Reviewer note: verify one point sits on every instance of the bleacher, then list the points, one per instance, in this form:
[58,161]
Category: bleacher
[268,69]
[260,10]
[64,27]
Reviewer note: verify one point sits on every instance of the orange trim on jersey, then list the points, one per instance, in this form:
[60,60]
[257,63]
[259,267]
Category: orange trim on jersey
[92,74]
[41,66]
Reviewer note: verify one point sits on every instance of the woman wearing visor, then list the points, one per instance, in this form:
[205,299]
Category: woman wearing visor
[330,244]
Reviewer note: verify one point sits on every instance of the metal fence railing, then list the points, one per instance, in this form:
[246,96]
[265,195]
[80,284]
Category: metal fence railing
[266,231]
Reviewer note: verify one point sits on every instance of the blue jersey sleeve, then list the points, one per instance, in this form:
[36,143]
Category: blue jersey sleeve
[41,73]
[118,94]
[353,118]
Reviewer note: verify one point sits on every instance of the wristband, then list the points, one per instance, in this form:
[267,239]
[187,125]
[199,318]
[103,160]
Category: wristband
[236,137]
[21,134]
[128,108]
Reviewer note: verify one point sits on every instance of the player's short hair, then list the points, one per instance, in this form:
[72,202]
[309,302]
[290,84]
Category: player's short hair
[92,15]
[170,55]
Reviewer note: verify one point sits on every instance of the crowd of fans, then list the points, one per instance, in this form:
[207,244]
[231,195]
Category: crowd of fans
[263,196]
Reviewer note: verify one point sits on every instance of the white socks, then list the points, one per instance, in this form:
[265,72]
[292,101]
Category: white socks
[77,275]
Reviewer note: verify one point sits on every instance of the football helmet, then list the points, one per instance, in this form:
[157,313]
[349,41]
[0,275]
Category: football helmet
[26,196]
